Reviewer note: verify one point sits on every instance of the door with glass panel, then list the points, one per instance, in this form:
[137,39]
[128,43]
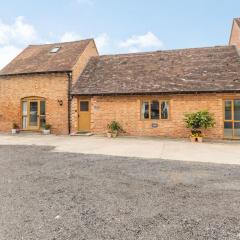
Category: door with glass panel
[84,116]
[232,118]
[33,114]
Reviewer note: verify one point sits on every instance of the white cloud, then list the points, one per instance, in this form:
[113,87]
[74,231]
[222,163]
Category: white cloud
[69,37]
[7,53]
[137,43]
[14,37]
[19,31]
[102,41]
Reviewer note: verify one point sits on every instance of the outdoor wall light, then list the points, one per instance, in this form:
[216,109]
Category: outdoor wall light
[60,102]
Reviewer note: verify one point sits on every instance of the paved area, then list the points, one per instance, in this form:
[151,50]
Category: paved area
[50,195]
[222,152]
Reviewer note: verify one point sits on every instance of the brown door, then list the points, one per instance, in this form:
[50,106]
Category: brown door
[84,116]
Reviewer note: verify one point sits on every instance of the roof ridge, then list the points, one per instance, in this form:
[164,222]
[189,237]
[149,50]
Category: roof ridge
[56,43]
[159,51]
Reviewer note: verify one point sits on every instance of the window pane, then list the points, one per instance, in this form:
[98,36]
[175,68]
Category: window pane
[42,108]
[24,122]
[164,110]
[84,106]
[145,110]
[24,108]
[228,110]
[42,121]
[33,117]
[228,129]
[154,110]
[236,109]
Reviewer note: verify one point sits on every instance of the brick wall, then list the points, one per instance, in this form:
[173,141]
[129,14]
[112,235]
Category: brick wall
[52,87]
[235,35]
[126,110]
[89,52]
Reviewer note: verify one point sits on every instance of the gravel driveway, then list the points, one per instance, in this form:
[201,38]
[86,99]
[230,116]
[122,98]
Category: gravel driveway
[64,196]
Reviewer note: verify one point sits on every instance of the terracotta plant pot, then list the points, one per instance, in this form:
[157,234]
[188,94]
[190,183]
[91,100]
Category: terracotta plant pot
[109,134]
[196,139]
[114,134]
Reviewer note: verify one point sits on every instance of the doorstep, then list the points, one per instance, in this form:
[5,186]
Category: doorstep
[88,134]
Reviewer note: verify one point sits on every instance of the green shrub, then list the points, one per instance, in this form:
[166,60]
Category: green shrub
[48,127]
[15,126]
[114,126]
[199,120]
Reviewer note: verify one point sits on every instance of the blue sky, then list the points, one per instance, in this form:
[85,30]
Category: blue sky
[118,26]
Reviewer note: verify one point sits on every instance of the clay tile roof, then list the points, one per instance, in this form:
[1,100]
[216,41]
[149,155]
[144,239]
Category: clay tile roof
[38,59]
[187,70]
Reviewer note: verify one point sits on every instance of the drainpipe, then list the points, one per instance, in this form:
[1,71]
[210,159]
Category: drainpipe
[69,100]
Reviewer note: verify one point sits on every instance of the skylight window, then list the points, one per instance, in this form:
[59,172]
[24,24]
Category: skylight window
[55,50]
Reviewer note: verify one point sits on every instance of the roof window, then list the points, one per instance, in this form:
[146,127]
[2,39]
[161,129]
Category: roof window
[55,50]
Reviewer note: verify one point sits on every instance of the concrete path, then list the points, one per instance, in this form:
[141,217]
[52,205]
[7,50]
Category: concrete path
[224,152]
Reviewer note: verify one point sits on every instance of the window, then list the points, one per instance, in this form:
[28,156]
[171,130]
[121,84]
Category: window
[232,118]
[24,115]
[42,114]
[145,110]
[55,49]
[84,106]
[155,109]
[164,110]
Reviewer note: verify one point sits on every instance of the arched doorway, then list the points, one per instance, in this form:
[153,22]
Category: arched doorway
[33,113]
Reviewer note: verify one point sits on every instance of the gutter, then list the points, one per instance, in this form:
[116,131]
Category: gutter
[69,100]
[33,73]
[156,93]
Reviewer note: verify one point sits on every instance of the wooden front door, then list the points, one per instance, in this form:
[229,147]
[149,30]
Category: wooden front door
[84,116]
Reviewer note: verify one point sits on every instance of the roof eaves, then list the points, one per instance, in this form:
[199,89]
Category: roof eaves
[33,73]
[157,93]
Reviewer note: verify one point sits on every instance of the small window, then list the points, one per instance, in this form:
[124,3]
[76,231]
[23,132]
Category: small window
[55,49]
[164,109]
[155,109]
[145,110]
[84,106]
[42,114]
[24,115]
[228,110]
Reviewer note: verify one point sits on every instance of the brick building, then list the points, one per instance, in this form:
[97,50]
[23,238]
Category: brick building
[71,87]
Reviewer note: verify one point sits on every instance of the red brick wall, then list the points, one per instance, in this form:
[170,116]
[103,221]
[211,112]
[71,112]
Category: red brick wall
[126,110]
[89,52]
[235,35]
[53,87]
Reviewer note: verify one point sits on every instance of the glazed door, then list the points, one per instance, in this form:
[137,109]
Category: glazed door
[232,118]
[33,114]
[84,116]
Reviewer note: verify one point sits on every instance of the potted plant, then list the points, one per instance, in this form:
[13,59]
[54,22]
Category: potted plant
[198,121]
[113,128]
[15,128]
[47,129]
